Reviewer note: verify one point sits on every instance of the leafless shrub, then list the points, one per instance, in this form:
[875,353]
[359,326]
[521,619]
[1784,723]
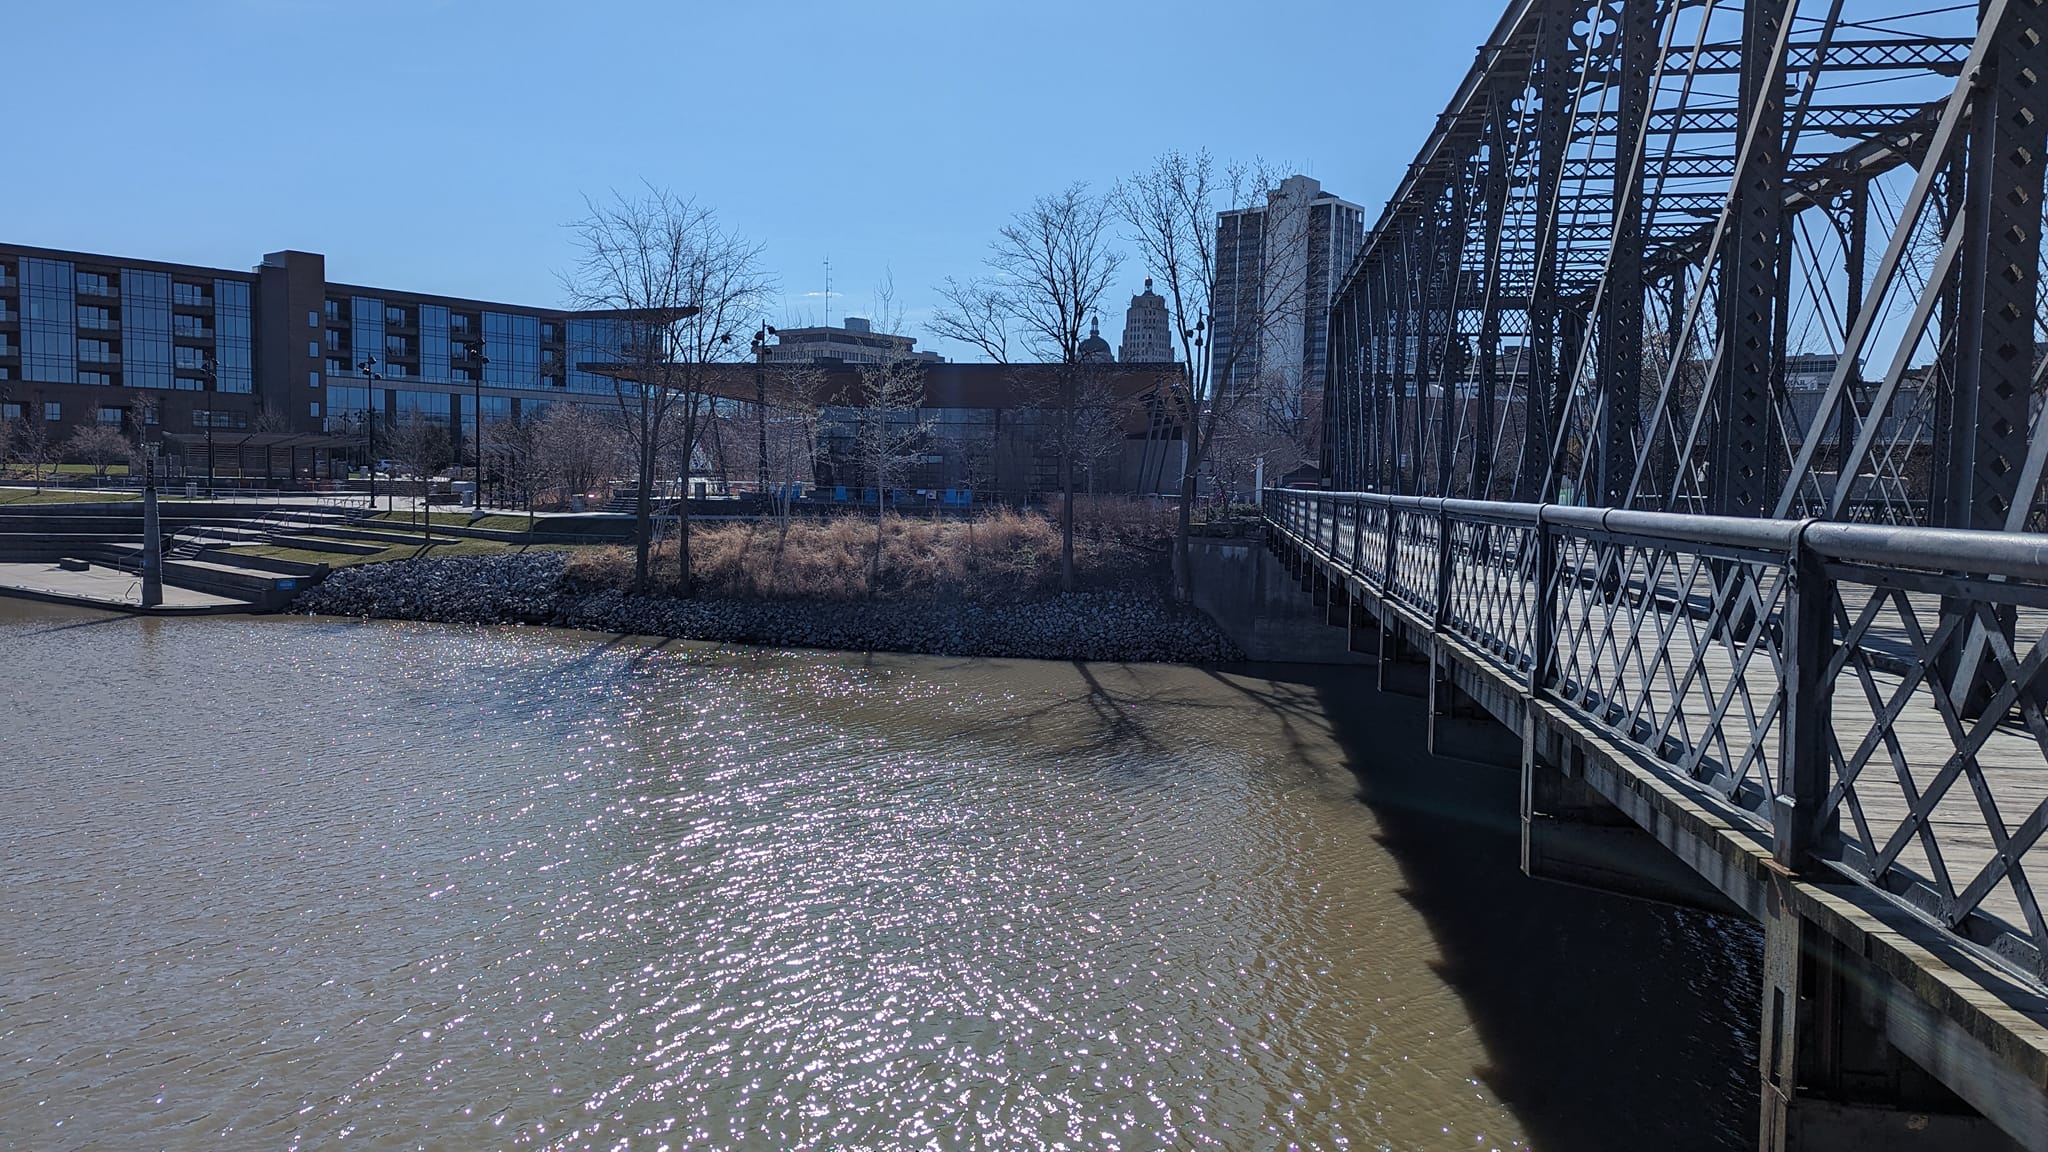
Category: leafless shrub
[1002,555]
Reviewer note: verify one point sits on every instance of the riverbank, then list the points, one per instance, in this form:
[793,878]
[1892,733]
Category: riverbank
[1127,625]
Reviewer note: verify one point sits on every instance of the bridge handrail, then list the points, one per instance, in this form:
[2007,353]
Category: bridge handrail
[1787,666]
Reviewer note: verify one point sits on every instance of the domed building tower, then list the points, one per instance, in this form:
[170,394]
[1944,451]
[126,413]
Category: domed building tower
[1095,350]
[1148,338]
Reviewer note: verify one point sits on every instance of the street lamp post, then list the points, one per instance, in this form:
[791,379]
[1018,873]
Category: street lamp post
[370,378]
[152,534]
[477,360]
[761,399]
[210,368]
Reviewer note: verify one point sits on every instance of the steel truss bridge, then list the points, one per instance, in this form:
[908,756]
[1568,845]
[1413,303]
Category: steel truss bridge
[1684,413]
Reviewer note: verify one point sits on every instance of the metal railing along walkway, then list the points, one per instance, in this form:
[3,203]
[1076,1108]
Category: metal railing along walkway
[1868,700]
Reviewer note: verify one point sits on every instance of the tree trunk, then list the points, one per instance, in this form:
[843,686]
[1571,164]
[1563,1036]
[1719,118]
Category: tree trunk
[1183,558]
[1067,491]
[875,561]
[684,580]
[1197,440]
[643,514]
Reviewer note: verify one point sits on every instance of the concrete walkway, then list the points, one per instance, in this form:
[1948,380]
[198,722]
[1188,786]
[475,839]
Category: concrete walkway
[110,588]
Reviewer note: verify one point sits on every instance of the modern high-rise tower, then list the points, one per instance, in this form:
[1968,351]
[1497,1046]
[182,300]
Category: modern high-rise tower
[1277,267]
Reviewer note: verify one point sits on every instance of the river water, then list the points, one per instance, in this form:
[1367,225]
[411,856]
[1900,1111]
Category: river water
[287,883]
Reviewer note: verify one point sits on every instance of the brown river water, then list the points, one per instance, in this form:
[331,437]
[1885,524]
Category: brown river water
[290,883]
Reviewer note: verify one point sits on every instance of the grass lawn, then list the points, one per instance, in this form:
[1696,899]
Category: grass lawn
[492,520]
[63,496]
[440,548]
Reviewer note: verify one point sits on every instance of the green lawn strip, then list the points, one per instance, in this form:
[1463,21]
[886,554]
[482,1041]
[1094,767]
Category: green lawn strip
[63,496]
[496,521]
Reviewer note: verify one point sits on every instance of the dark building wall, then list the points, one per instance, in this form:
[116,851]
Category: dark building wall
[291,287]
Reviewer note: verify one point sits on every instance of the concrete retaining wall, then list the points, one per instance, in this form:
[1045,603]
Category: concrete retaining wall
[1244,589]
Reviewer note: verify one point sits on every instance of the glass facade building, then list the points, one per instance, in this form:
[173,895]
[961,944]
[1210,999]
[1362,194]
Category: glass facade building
[49,321]
[276,347]
[146,330]
[234,336]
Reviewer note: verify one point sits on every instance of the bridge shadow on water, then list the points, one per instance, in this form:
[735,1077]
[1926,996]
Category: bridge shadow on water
[1607,1022]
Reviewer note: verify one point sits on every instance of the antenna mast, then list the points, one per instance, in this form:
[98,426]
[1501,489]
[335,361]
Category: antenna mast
[828,291]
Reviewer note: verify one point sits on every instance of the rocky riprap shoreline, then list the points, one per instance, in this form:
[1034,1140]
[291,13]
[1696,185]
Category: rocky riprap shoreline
[531,588]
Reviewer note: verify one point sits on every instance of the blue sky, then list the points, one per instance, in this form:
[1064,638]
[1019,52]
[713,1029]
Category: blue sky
[441,145]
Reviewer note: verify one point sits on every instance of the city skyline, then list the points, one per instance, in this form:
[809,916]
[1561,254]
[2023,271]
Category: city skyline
[446,148]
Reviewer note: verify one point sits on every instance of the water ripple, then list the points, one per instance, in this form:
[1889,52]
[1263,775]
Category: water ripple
[476,888]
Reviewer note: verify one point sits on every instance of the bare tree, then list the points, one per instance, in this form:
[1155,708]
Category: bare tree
[791,416]
[1171,212]
[99,445]
[33,440]
[681,288]
[892,430]
[1097,427]
[575,447]
[511,455]
[271,418]
[977,313]
[10,439]
[1052,263]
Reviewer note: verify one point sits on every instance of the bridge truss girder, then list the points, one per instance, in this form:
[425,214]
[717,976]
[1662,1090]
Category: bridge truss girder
[1760,259]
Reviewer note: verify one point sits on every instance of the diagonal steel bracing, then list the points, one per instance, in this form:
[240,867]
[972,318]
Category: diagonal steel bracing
[1776,257]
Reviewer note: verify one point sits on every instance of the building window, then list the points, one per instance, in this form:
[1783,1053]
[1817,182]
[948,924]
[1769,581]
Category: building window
[10,410]
[150,415]
[94,284]
[333,310]
[189,357]
[97,351]
[312,319]
[313,409]
[103,379]
[233,339]
[313,380]
[394,317]
[191,295]
[313,349]
[93,316]
[108,415]
[52,410]
[336,367]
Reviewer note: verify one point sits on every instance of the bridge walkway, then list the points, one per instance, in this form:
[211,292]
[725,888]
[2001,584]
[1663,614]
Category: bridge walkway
[1842,720]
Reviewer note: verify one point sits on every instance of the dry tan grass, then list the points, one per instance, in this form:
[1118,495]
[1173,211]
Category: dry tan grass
[999,555]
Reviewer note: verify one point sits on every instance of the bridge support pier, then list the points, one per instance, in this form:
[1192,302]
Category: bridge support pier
[1833,1076]
[1403,670]
[1572,834]
[1361,631]
[1461,728]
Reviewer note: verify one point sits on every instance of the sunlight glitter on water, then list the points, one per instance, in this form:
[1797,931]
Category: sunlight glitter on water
[482,888]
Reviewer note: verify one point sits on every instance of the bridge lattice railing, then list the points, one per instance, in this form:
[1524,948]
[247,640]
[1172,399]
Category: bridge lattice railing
[1869,700]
